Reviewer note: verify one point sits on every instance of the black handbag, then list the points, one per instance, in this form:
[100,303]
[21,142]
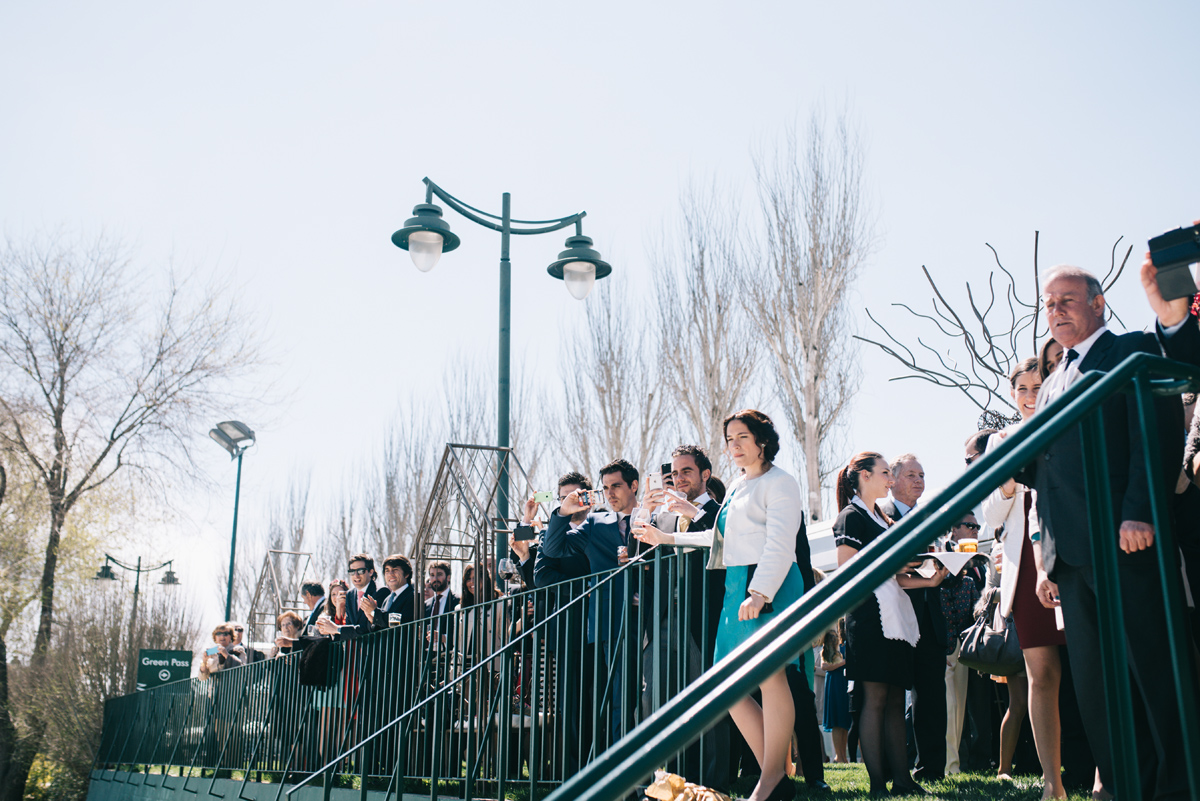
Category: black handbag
[988,649]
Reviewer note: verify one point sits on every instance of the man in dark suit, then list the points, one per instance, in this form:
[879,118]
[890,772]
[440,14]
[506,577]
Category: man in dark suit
[443,600]
[929,669]
[1075,310]
[566,643]
[362,595]
[399,599]
[598,537]
[313,596]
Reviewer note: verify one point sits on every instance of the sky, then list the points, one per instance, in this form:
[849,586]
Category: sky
[282,144]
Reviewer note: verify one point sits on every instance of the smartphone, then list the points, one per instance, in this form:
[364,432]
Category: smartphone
[523,533]
[1171,253]
[654,481]
[543,497]
[668,479]
[213,651]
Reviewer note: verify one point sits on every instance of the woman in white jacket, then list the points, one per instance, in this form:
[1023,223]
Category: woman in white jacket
[755,541]
[1012,506]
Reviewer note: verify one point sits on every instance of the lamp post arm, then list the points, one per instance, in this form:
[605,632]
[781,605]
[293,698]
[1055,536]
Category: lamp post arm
[496,222]
[138,568]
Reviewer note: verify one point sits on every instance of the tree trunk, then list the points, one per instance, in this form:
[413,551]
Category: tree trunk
[16,754]
[41,645]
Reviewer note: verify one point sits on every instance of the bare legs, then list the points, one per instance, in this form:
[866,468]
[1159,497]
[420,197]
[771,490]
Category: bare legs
[768,731]
[840,736]
[881,737]
[1010,727]
[1045,672]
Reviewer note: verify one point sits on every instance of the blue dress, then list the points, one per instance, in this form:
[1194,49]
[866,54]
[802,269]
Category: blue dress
[837,698]
[733,632]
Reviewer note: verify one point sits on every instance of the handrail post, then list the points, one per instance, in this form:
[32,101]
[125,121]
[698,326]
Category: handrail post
[1110,607]
[1168,573]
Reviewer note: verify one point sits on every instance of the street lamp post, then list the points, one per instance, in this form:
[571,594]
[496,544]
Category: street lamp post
[168,580]
[426,236]
[234,437]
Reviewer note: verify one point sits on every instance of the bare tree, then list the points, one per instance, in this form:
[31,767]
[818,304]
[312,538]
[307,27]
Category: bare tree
[974,350]
[612,404]
[818,233]
[98,377]
[709,348]
[89,663]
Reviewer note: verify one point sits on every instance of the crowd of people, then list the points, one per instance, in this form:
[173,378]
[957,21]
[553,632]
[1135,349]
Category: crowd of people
[894,688]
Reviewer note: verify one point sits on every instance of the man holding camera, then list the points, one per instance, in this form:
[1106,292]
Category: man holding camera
[1075,312]
[601,537]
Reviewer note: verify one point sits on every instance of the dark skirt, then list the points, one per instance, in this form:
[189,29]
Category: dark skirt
[872,657]
[1036,626]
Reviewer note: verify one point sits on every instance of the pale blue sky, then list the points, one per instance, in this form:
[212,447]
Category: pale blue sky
[285,142]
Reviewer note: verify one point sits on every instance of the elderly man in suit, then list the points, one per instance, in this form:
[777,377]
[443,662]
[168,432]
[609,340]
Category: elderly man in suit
[1075,312]
[929,719]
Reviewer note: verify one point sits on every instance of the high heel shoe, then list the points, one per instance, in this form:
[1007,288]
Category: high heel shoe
[784,791]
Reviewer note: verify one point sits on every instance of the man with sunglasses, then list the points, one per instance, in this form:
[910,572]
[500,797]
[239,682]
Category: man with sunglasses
[363,598]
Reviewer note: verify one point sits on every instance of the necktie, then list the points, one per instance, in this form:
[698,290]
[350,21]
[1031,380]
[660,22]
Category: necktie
[623,529]
[1072,355]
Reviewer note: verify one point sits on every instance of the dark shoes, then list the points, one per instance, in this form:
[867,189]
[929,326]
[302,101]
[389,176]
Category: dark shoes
[784,791]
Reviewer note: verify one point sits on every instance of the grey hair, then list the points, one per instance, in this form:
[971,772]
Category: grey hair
[1094,288]
[901,459]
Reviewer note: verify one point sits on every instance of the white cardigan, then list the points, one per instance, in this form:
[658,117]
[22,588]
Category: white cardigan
[762,518]
[1009,512]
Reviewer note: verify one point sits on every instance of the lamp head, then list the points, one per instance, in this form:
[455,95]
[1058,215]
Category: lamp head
[233,436]
[106,573]
[426,236]
[170,579]
[579,266]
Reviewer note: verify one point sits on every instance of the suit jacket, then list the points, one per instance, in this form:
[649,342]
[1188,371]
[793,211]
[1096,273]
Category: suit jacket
[597,538]
[399,603]
[357,623]
[451,604]
[926,601]
[316,612]
[1058,471]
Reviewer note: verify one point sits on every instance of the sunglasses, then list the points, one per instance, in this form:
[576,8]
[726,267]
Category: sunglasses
[358,571]
[970,459]
[969,526]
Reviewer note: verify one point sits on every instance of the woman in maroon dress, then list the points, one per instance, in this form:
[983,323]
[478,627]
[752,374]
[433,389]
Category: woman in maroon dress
[1012,506]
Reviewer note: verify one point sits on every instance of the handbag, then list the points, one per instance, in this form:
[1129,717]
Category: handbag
[988,646]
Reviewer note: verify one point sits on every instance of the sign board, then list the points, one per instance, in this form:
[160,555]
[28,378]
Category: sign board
[156,668]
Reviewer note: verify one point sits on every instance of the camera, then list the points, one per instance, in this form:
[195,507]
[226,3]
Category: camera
[1171,253]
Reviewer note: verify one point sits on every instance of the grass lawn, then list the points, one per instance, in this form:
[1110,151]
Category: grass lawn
[850,781]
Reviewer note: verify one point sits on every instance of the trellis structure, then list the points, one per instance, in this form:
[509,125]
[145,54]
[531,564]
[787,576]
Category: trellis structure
[461,523]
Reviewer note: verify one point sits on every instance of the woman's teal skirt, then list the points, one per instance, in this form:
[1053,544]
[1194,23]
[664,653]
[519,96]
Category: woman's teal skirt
[733,632]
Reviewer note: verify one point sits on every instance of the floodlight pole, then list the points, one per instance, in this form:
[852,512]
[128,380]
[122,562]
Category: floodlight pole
[237,493]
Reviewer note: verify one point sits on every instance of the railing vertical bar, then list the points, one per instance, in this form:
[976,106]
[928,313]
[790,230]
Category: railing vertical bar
[1110,609]
[1169,573]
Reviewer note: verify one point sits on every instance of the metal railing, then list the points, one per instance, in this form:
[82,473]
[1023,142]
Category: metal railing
[500,695]
[523,689]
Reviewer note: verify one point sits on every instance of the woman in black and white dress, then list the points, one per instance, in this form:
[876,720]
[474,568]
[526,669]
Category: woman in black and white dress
[882,631]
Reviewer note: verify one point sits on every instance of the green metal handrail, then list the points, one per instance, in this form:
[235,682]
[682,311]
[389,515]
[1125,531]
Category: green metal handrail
[698,707]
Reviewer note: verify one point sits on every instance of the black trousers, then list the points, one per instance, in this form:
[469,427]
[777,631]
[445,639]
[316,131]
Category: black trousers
[808,736]
[929,708]
[1153,687]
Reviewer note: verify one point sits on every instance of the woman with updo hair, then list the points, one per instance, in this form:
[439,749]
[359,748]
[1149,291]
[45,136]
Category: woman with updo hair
[882,632]
[755,541]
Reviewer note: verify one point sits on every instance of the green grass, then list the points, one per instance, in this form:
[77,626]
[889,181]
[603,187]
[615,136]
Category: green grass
[850,782]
